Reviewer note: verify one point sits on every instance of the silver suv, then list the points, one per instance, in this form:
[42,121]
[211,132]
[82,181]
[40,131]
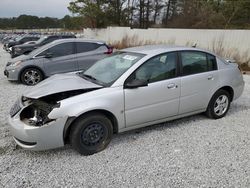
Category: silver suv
[133,88]
[60,56]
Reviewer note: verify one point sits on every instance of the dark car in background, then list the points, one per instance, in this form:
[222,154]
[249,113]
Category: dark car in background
[20,40]
[8,37]
[27,48]
[60,56]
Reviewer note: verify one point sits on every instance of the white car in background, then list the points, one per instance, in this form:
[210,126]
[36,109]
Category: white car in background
[133,88]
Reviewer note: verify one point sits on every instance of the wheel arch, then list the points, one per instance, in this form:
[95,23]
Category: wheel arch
[71,120]
[209,112]
[229,89]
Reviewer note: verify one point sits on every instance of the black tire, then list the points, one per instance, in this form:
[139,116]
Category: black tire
[211,111]
[35,75]
[91,133]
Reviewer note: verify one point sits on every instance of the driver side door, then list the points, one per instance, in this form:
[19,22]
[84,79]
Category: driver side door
[160,98]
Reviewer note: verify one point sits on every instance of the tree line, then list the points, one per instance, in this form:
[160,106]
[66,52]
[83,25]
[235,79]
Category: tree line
[164,13]
[34,22]
[209,14]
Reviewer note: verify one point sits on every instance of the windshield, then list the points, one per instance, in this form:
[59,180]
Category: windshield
[109,69]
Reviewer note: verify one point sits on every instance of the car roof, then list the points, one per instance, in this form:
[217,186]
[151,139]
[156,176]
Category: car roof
[57,35]
[28,36]
[77,40]
[158,49]
[60,41]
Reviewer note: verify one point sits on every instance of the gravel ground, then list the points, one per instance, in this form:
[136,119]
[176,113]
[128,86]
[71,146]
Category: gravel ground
[190,152]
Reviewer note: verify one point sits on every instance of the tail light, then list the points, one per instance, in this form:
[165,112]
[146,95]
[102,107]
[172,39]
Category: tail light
[110,50]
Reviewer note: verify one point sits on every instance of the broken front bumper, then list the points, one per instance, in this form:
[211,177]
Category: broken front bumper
[48,136]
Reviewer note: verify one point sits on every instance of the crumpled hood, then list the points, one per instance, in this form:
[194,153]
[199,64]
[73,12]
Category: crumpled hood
[57,84]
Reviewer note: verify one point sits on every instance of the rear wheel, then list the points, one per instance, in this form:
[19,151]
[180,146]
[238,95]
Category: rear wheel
[91,133]
[31,76]
[218,105]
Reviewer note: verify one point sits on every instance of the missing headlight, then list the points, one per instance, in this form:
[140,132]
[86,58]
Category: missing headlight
[36,114]
[37,119]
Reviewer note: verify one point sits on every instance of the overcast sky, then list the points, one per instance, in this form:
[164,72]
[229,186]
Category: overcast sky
[51,8]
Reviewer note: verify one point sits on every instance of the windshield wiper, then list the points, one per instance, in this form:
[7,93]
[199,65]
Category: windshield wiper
[93,79]
[89,76]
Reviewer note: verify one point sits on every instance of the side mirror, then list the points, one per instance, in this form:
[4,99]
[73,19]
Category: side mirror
[136,83]
[48,55]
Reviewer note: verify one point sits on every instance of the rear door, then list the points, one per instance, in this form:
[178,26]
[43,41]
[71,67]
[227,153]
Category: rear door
[158,100]
[62,60]
[199,80]
[88,53]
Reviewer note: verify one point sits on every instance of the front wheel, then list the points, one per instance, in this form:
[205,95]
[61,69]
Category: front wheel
[218,105]
[31,76]
[91,133]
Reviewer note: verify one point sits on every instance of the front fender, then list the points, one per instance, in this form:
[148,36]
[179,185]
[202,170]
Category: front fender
[108,99]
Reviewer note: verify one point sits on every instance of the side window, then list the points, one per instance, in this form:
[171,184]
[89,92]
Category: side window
[158,68]
[212,63]
[42,53]
[27,39]
[23,40]
[193,62]
[60,50]
[82,47]
[49,39]
[34,39]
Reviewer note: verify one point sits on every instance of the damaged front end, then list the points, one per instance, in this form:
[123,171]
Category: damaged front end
[33,123]
[36,111]
[40,100]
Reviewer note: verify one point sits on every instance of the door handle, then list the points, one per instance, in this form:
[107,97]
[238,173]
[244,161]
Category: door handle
[210,77]
[172,86]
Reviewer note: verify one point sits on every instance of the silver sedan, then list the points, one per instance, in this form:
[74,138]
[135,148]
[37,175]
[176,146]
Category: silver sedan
[133,88]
